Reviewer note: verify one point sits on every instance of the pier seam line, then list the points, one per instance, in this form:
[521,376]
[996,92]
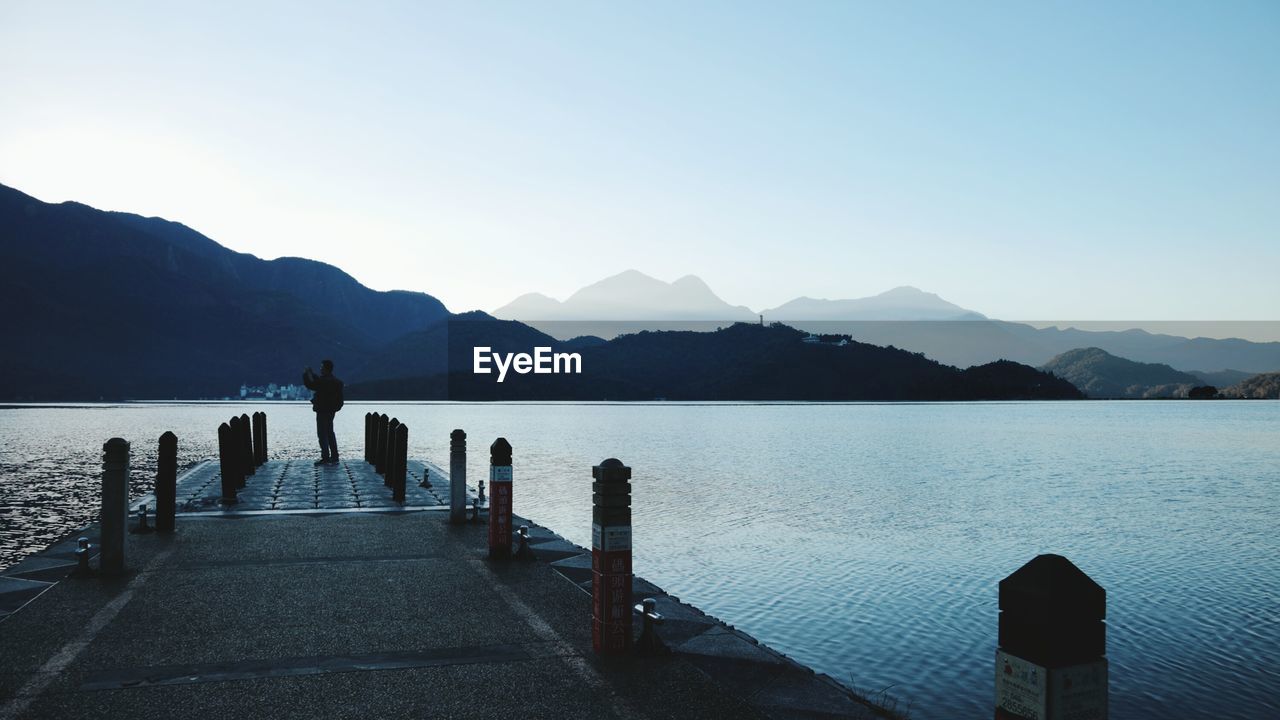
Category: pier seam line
[55,665]
[568,654]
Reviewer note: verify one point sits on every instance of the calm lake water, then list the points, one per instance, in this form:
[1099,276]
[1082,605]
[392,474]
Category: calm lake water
[865,540]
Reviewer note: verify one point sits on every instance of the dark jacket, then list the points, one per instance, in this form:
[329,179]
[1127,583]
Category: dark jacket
[328,392]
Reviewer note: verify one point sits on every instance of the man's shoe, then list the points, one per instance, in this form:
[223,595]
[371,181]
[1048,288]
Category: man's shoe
[332,461]
[321,461]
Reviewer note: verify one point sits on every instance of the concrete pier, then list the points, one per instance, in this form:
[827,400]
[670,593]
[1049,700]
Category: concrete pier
[317,595]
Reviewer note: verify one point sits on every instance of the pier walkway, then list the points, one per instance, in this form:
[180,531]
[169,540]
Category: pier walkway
[316,596]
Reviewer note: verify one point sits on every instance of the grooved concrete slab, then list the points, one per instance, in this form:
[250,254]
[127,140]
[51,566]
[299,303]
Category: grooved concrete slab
[340,611]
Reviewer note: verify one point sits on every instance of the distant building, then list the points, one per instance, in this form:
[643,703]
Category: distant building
[274,391]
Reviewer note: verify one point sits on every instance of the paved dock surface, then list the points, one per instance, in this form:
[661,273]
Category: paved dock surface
[343,611]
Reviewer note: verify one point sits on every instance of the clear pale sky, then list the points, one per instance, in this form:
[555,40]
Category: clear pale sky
[1023,159]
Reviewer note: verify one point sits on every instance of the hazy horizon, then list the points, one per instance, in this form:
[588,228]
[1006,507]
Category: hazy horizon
[1085,161]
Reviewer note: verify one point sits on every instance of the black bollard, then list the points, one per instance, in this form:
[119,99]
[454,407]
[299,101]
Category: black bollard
[389,451]
[115,505]
[227,465]
[458,478]
[1052,639]
[167,483]
[500,504]
[246,446]
[426,477]
[235,452]
[260,438]
[611,558]
[399,466]
[368,428]
[255,423]
[379,440]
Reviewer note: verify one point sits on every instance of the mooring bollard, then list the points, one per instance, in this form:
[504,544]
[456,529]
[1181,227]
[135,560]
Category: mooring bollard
[458,477]
[142,528]
[379,441]
[167,482]
[525,551]
[115,505]
[426,477]
[227,465]
[235,452]
[82,558]
[246,446]
[368,428]
[255,424]
[1050,662]
[611,558]
[390,451]
[500,500]
[259,438]
[649,644]
[400,465]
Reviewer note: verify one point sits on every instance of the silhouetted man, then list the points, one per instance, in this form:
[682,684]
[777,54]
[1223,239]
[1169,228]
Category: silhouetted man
[326,402]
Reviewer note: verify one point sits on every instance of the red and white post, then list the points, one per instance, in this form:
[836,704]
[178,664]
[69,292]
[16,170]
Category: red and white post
[611,558]
[500,499]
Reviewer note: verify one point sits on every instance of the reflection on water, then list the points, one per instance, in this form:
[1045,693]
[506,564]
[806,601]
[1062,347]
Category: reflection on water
[864,540]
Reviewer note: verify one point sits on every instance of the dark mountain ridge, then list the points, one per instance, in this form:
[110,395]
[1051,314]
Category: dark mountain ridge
[1100,374]
[114,305]
[742,362]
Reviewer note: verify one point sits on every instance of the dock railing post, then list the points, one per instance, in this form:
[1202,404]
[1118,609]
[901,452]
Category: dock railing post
[400,464]
[1050,662]
[263,459]
[611,558]
[227,465]
[457,477]
[500,499]
[167,482]
[115,505]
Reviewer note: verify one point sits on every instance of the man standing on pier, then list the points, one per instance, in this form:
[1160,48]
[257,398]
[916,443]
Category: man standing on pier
[326,402]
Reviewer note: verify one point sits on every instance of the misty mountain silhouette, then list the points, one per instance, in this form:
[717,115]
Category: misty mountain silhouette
[903,317]
[900,303]
[629,295]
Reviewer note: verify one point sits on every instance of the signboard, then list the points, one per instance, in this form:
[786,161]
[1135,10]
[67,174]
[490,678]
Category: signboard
[1079,692]
[1026,691]
[609,538]
[499,510]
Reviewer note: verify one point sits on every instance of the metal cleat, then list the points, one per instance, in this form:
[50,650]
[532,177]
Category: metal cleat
[649,644]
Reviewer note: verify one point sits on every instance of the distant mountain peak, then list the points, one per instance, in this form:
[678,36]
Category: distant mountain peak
[904,303]
[1099,374]
[629,295]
